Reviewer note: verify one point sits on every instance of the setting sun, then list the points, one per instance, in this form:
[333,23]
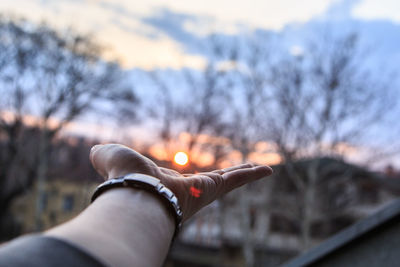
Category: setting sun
[181,158]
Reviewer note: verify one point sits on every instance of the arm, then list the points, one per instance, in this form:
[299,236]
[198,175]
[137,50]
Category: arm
[125,226]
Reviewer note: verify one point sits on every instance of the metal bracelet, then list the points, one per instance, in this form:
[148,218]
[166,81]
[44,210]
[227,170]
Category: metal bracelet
[150,184]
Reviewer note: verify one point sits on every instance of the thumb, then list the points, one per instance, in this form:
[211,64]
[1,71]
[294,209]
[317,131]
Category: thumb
[95,159]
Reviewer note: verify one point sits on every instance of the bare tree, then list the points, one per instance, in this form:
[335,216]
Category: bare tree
[248,78]
[47,79]
[323,100]
[167,111]
[197,107]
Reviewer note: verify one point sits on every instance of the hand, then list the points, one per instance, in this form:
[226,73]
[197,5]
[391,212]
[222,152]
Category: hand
[193,191]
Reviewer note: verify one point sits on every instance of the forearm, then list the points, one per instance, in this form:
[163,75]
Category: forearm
[123,227]
[128,227]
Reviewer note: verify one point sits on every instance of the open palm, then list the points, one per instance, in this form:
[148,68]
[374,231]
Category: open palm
[193,191]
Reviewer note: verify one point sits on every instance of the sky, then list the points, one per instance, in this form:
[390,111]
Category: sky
[155,34]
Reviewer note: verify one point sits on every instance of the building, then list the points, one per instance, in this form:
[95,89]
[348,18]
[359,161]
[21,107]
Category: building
[343,194]
[60,201]
[373,241]
[216,235]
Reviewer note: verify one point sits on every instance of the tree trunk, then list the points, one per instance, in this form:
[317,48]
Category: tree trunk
[248,240]
[221,224]
[306,220]
[41,176]
[248,246]
[308,202]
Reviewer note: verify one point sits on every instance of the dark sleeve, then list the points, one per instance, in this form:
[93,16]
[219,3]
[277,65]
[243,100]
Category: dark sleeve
[43,251]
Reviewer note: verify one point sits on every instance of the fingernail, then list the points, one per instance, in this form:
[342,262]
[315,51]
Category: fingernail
[94,148]
[265,168]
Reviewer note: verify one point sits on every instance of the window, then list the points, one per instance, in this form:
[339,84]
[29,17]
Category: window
[68,202]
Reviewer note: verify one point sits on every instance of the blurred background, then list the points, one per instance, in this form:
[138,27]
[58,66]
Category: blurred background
[309,87]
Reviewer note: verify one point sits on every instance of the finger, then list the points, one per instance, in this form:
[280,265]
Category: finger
[237,167]
[239,177]
[94,159]
[215,176]
[103,157]
[169,171]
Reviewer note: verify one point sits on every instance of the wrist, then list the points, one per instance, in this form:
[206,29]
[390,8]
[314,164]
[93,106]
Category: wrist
[140,224]
[137,206]
[132,202]
[149,184]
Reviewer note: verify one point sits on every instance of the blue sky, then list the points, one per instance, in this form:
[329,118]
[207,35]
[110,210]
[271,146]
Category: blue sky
[156,34]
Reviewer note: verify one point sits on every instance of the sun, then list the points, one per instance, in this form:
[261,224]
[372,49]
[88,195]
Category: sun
[181,158]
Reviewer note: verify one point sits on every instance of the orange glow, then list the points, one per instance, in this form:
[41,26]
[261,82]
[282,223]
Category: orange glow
[158,151]
[265,158]
[29,120]
[181,158]
[198,155]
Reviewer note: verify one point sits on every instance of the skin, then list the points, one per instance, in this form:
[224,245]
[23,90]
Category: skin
[129,227]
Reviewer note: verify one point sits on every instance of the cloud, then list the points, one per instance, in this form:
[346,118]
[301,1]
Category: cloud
[115,8]
[189,33]
[195,33]
[160,24]
[163,21]
[172,24]
[340,10]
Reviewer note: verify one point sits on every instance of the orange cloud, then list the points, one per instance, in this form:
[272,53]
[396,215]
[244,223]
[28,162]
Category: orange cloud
[265,158]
